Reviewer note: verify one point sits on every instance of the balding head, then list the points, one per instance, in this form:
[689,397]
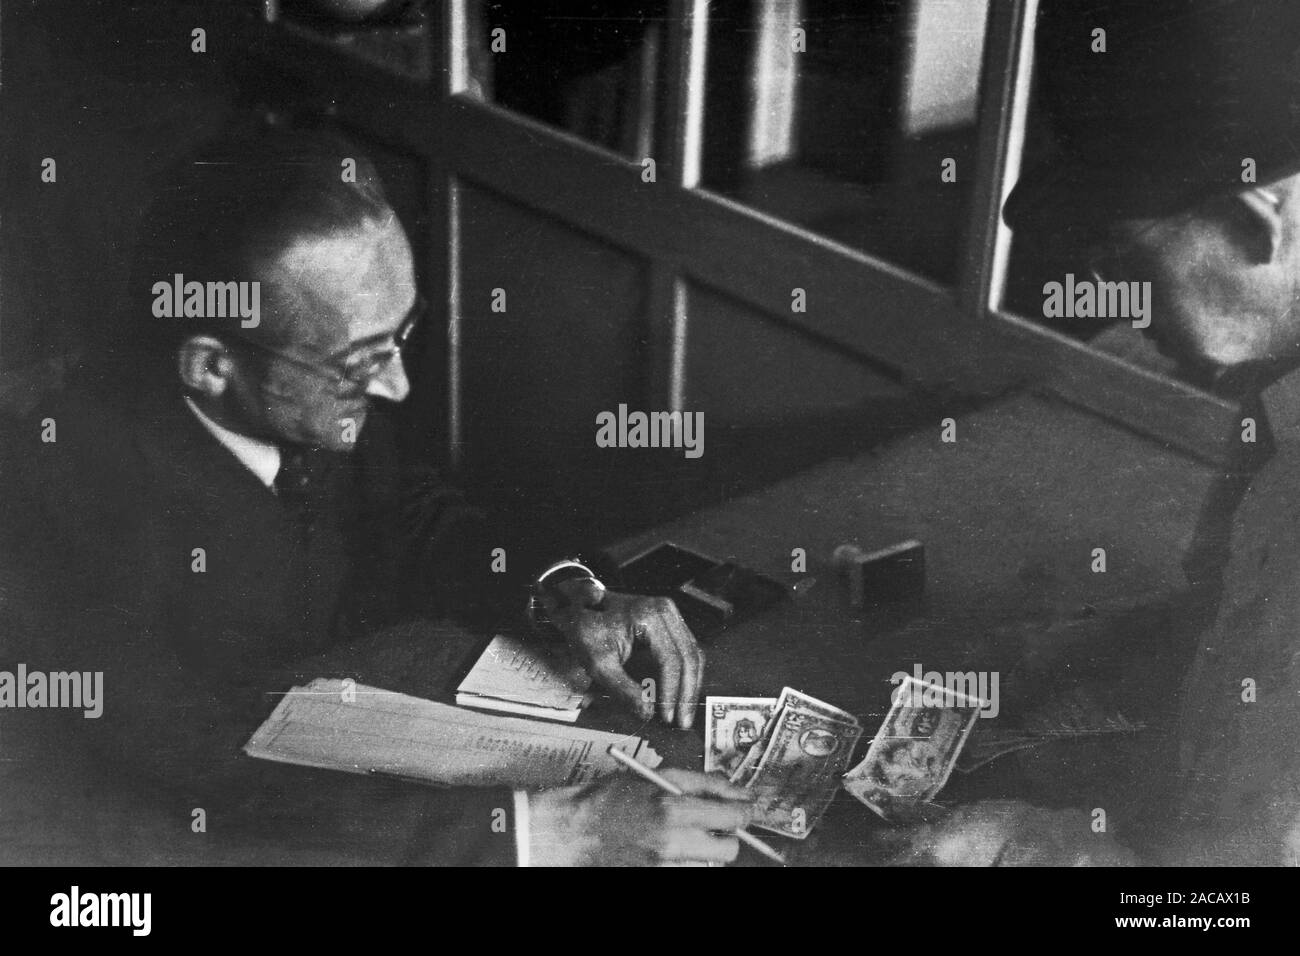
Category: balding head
[232,209]
[302,214]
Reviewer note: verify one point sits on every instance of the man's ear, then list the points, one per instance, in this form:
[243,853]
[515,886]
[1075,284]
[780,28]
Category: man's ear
[204,365]
[1258,212]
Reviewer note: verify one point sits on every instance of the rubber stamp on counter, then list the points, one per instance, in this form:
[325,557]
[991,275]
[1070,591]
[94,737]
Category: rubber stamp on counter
[889,575]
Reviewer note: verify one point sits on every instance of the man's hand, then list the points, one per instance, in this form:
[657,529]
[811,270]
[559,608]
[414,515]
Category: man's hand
[1012,833]
[622,820]
[605,639]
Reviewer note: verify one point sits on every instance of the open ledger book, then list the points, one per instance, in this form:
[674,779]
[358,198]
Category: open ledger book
[339,725]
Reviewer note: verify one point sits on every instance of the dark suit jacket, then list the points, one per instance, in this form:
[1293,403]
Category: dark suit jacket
[108,518]
[1241,706]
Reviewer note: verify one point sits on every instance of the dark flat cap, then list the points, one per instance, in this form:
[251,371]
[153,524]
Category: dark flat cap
[1186,91]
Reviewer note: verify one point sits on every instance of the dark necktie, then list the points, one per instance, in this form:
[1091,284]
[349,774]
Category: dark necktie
[296,483]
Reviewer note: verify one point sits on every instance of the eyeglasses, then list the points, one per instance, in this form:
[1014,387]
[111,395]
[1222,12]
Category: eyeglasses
[360,372]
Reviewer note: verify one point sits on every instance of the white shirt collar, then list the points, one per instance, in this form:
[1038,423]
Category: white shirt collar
[260,457]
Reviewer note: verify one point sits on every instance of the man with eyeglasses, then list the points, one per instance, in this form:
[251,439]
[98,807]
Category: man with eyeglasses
[218,512]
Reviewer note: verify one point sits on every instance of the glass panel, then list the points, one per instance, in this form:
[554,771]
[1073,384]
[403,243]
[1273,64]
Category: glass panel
[588,67]
[840,116]
[1088,114]
[1036,259]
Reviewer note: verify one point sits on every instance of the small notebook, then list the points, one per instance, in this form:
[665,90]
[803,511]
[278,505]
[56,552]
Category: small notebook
[536,679]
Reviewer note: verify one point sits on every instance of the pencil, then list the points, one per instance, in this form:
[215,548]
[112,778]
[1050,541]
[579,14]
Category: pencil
[669,787]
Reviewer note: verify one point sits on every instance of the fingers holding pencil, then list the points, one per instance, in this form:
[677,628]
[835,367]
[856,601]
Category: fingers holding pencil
[719,805]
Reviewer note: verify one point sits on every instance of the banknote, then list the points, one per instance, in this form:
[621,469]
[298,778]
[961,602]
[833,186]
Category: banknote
[811,704]
[913,753]
[800,769]
[744,769]
[732,726]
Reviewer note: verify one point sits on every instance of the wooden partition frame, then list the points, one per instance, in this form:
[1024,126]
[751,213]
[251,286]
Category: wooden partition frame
[957,337]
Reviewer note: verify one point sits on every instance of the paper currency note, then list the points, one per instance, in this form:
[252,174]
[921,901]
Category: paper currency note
[800,769]
[811,704]
[732,726]
[744,771]
[913,753]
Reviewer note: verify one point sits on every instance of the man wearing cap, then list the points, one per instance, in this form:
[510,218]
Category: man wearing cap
[215,520]
[1179,152]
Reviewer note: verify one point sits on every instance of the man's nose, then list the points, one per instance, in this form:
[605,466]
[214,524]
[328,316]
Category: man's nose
[391,383]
